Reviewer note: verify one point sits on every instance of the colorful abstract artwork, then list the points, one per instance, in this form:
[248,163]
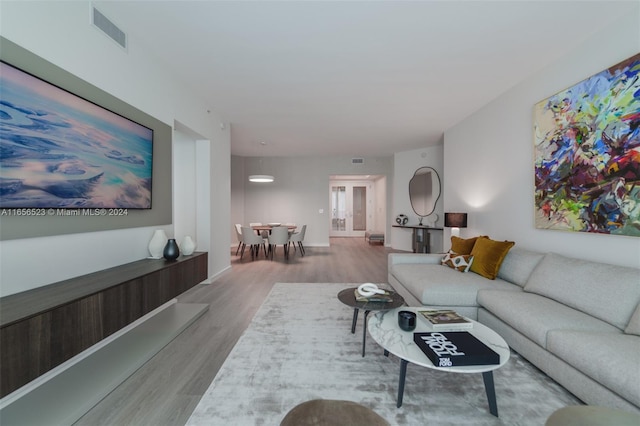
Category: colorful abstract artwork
[587,154]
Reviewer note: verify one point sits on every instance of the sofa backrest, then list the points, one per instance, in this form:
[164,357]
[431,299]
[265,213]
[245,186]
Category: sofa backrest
[608,292]
[518,265]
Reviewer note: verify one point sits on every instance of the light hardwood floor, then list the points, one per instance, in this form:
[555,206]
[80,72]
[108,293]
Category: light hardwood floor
[166,390]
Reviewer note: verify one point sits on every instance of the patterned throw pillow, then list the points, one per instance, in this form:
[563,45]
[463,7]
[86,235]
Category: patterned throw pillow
[459,262]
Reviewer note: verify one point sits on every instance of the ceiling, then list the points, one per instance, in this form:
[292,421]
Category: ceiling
[358,78]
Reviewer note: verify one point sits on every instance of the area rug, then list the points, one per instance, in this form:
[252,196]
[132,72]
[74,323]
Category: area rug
[299,347]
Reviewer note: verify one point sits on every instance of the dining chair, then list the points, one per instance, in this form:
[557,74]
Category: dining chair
[298,237]
[238,236]
[279,235]
[253,240]
[291,226]
[265,234]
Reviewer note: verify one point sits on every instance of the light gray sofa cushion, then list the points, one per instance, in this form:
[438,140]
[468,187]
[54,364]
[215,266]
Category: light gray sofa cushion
[518,265]
[634,323]
[438,285]
[608,292]
[591,353]
[534,315]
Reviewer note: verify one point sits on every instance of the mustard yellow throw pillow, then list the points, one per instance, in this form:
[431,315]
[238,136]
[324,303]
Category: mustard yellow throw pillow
[488,256]
[463,246]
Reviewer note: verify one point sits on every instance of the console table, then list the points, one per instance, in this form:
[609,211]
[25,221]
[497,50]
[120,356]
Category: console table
[43,327]
[420,237]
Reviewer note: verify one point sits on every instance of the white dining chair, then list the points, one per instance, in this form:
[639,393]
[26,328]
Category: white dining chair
[265,234]
[298,237]
[253,240]
[279,235]
[292,227]
[238,236]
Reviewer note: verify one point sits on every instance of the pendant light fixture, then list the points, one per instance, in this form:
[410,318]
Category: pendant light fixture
[261,178]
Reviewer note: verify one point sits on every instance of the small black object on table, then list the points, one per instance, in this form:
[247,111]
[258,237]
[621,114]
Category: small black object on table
[348,297]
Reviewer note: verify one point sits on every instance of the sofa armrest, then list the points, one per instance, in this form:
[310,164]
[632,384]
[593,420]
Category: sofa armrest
[421,258]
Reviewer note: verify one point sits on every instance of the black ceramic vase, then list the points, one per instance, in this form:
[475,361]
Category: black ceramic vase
[407,320]
[171,250]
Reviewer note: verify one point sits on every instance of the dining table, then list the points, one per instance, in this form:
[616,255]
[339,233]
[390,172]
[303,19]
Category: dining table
[260,228]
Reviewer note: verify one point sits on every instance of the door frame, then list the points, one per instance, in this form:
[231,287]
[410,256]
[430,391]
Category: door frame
[369,214]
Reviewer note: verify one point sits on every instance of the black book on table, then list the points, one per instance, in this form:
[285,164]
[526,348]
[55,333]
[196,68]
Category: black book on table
[455,348]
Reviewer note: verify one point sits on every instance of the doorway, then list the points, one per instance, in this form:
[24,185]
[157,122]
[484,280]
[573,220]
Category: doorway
[356,204]
[348,209]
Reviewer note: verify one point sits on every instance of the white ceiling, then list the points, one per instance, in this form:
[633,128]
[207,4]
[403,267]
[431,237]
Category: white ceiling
[354,78]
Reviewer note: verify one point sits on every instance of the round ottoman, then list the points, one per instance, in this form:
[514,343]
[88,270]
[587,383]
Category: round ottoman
[587,415]
[328,412]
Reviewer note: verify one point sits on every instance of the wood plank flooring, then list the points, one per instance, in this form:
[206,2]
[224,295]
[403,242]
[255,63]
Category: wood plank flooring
[166,390]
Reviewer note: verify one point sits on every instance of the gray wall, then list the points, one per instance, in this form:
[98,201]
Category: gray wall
[13,227]
[60,33]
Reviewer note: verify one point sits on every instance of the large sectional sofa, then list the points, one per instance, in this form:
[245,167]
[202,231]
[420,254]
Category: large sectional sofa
[576,320]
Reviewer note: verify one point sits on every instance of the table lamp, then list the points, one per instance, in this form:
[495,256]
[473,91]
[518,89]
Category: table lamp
[455,221]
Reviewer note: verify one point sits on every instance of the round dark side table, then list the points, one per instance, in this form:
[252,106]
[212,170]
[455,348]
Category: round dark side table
[348,297]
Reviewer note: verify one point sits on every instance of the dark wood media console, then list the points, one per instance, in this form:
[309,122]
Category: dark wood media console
[42,328]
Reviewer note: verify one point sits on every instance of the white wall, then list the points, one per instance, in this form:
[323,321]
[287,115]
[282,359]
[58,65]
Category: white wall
[405,165]
[300,191]
[380,214]
[184,184]
[489,156]
[238,180]
[201,193]
[60,32]
[219,163]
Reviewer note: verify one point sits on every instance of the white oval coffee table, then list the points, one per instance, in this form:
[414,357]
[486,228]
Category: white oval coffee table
[383,328]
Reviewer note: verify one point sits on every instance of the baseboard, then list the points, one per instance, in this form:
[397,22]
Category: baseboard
[217,275]
[71,390]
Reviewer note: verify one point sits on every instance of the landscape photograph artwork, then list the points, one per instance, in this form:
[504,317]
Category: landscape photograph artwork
[58,150]
[587,154]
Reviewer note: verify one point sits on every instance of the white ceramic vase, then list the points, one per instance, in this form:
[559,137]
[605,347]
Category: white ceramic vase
[432,219]
[157,243]
[188,246]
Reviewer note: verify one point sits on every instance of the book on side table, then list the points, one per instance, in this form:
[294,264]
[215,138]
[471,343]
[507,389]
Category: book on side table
[456,348]
[386,297]
[445,320]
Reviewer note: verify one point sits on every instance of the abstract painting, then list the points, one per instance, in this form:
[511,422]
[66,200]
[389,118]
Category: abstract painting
[587,154]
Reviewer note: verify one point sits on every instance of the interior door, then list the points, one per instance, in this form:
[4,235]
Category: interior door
[348,209]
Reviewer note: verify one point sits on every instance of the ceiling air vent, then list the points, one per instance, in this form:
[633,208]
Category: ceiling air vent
[109,28]
[357,161]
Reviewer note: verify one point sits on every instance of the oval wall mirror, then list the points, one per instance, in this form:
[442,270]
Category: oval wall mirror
[424,191]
